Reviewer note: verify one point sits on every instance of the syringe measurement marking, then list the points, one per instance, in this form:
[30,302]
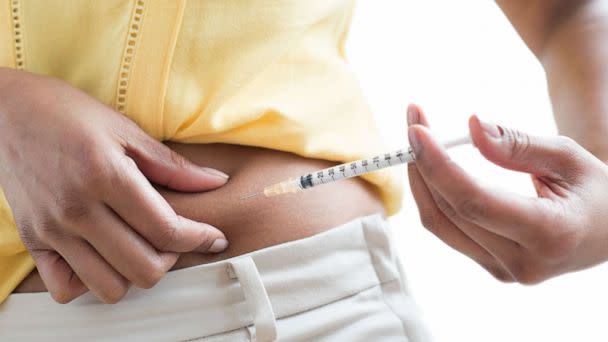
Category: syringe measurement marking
[357,168]
[348,170]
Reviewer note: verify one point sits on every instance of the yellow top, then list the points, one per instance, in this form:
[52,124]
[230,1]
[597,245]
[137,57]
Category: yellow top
[268,73]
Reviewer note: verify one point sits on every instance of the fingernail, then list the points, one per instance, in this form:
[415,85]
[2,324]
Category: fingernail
[414,143]
[491,129]
[218,246]
[413,115]
[215,172]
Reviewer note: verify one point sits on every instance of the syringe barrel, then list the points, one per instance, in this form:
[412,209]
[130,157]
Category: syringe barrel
[349,170]
[356,168]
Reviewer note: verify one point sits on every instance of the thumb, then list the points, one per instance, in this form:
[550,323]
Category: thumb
[555,157]
[165,167]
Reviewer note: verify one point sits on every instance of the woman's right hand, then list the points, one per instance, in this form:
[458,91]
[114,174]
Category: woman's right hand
[77,176]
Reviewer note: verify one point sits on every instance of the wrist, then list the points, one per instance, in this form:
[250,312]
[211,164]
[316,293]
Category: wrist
[12,86]
[577,73]
[9,84]
[599,149]
[8,77]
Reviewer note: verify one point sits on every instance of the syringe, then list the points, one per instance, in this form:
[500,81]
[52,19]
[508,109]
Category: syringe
[347,170]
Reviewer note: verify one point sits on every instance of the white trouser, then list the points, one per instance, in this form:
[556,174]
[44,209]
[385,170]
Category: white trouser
[344,284]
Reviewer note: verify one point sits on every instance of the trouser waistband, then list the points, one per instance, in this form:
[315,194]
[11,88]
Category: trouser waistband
[252,289]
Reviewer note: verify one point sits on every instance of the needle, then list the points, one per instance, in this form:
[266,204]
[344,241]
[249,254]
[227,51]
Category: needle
[249,196]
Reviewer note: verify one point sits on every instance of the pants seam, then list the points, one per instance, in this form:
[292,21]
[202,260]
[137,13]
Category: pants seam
[380,225]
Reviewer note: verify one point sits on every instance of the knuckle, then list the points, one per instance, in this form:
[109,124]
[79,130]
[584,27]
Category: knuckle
[567,145]
[112,298]
[446,208]
[428,218]
[117,175]
[63,295]
[178,160]
[470,209]
[166,233]
[130,164]
[47,232]
[499,273]
[114,294]
[569,150]
[503,277]
[526,271]
[205,239]
[150,274]
[518,141]
[96,169]
[71,209]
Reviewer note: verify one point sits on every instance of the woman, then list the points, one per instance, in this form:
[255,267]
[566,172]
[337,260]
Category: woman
[257,90]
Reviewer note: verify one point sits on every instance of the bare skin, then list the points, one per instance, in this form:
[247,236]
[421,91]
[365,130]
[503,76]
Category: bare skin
[257,223]
[78,186]
[515,238]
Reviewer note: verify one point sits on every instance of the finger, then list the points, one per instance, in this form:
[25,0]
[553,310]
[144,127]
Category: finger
[134,199]
[98,276]
[58,277]
[502,249]
[502,213]
[165,167]
[557,157]
[438,224]
[416,116]
[506,254]
[514,262]
[474,242]
[125,250]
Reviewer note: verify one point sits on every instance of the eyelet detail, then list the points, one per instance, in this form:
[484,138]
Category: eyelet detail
[128,55]
[17,34]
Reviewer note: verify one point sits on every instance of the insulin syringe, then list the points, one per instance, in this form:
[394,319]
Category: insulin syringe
[347,170]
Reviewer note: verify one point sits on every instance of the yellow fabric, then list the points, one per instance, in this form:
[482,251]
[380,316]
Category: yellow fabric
[267,73]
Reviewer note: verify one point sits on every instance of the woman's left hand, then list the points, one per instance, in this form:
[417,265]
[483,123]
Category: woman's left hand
[515,238]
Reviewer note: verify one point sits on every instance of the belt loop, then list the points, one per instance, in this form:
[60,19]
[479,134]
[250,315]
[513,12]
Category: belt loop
[257,299]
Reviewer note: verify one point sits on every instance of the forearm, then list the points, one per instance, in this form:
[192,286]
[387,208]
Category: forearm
[576,62]
[569,38]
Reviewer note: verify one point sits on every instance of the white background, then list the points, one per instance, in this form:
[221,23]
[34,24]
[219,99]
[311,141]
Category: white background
[457,58]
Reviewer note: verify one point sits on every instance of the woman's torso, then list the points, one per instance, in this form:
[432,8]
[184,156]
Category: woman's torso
[221,76]
[257,223]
